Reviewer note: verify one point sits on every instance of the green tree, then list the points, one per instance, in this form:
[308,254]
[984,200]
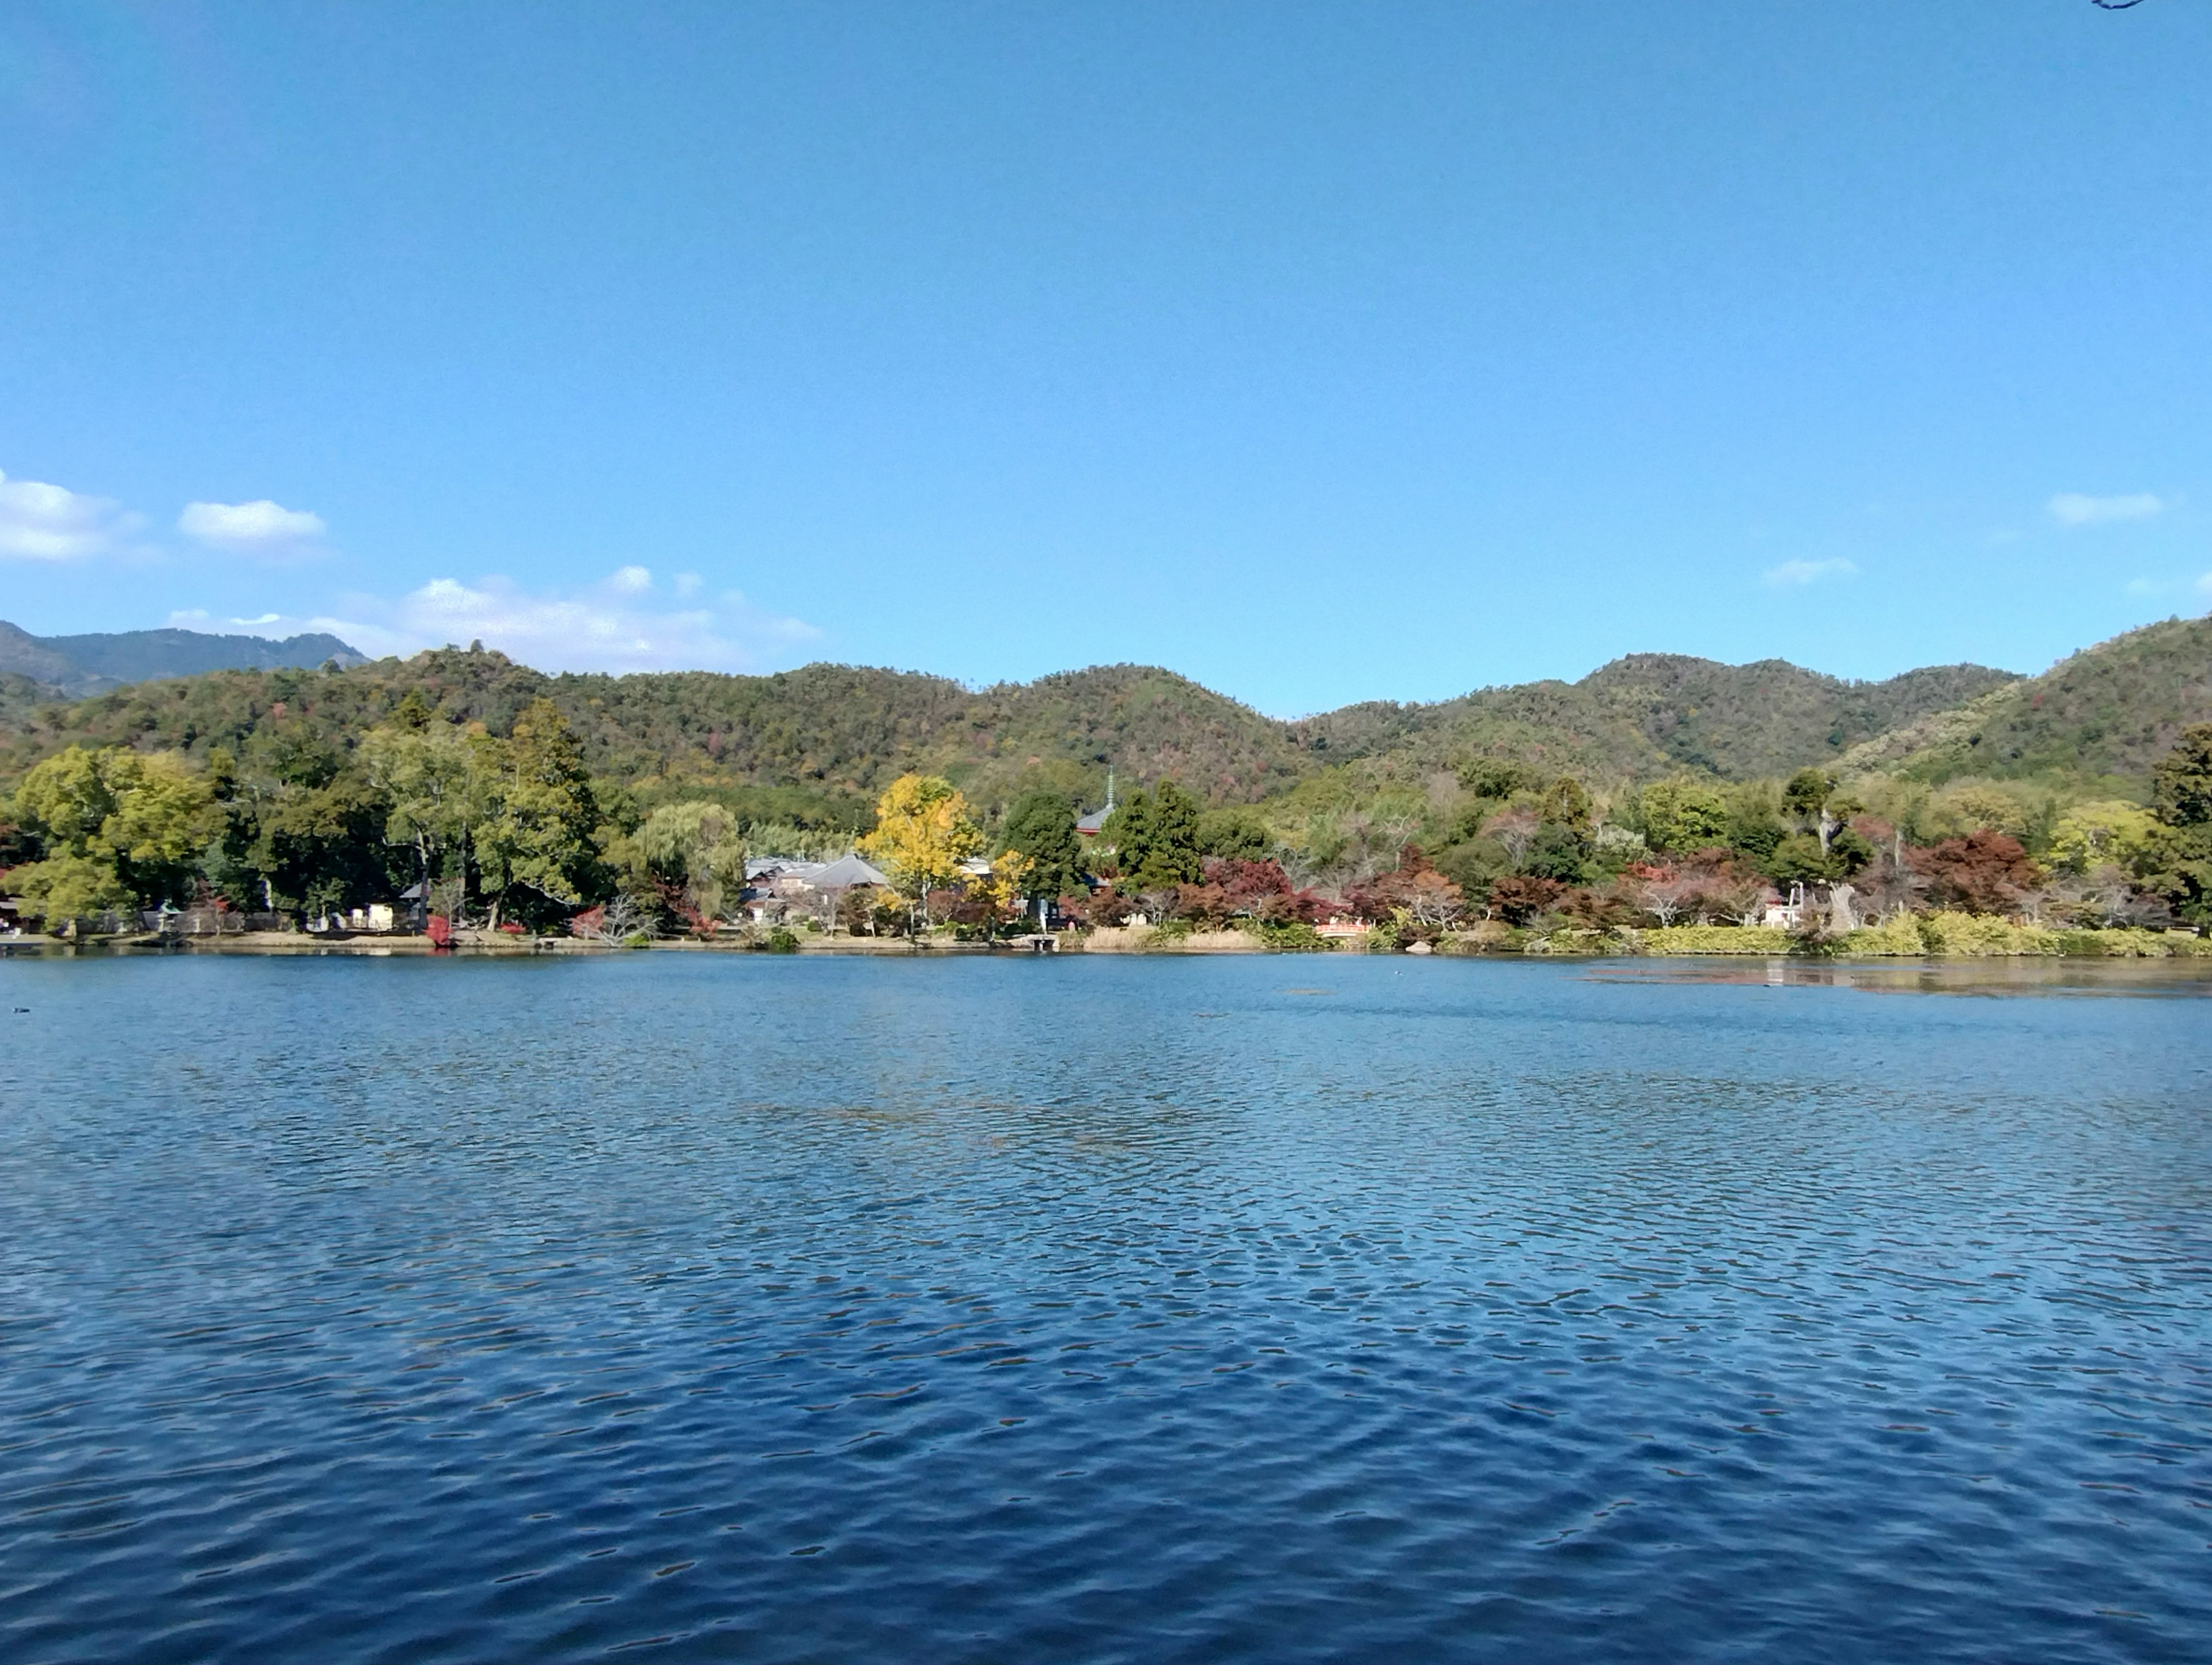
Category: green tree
[1806,793]
[116,827]
[1559,852]
[1494,779]
[318,848]
[2182,780]
[538,835]
[439,780]
[302,828]
[1682,815]
[1754,821]
[1234,834]
[68,799]
[2182,783]
[699,847]
[1166,854]
[2109,831]
[1128,833]
[1041,827]
[1566,803]
[1798,858]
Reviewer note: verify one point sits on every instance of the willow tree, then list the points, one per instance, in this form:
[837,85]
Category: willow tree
[696,847]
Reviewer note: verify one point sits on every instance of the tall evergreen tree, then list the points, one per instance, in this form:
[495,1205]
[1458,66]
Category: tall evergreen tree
[2182,783]
[1128,834]
[1170,854]
[541,837]
[2183,780]
[1041,826]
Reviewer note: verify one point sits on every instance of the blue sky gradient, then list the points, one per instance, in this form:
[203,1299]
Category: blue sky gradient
[1321,353]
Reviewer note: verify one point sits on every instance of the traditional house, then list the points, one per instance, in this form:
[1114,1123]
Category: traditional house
[776,885]
[848,871]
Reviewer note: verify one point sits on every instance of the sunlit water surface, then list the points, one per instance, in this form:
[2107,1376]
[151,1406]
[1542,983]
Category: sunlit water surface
[1264,1309]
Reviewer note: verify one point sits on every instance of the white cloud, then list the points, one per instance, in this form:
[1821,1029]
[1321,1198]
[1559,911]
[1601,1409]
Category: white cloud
[259,526]
[2144,587]
[1810,572]
[623,623]
[41,522]
[2075,509]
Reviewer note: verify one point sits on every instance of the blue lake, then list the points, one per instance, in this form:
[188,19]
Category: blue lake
[719,1307]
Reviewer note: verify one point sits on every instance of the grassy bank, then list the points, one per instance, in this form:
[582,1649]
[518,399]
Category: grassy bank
[1923,936]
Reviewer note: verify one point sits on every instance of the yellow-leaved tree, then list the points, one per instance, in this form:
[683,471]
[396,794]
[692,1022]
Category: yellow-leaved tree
[1004,889]
[922,836]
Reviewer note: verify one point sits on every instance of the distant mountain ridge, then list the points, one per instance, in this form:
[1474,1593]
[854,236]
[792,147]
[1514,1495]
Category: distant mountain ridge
[833,736]
[75,666]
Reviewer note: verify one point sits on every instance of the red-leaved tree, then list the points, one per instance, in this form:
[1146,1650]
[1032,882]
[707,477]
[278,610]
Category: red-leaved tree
[1983,872]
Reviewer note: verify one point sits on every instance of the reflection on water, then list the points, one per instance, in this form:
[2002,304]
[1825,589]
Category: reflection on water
[1105,1310]
[2026,975]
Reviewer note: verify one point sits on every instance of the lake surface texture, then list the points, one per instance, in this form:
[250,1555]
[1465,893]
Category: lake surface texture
[718,1307]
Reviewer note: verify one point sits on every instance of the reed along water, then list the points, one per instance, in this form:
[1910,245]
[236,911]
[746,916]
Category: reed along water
[1283,1309]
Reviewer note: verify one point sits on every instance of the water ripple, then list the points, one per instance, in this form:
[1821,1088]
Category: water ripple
[714,1308]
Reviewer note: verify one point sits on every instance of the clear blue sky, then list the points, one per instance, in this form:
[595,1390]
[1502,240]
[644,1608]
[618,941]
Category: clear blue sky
[1321,353]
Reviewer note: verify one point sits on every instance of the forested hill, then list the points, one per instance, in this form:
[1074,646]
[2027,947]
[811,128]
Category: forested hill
[817,744]
[2107,713]
[832,735]
[1651,714]
[70,666]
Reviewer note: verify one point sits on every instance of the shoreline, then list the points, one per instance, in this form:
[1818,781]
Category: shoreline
[484,945]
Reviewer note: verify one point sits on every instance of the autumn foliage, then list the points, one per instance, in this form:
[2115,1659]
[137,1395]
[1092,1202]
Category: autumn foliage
[1983,872]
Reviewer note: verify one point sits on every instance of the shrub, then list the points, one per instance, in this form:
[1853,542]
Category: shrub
[1900,936]
[2132,943]
[780,941]
[1718,939]
[1949,932]
[1289,936]
[1573,939]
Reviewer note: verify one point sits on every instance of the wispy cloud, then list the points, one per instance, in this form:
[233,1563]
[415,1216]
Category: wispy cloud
[259,527]
[625,622]
[1797,573]
[42,522]
[2073,508]
[2151,587]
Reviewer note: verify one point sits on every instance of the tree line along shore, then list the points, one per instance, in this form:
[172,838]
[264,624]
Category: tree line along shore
[474,831]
